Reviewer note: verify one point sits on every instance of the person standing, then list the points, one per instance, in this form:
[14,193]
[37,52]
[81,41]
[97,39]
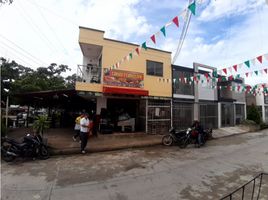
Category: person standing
[84,132]
[77,126]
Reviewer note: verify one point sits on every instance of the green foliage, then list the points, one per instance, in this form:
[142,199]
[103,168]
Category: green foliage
[20,79]
[253,114]
[41,124]
[248,122]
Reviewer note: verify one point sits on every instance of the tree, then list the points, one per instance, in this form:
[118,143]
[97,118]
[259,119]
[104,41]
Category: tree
[20,79]
[253,114]
[6,1]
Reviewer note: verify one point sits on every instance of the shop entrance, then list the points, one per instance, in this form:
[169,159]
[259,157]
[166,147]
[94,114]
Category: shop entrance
[124,114]
[227,114]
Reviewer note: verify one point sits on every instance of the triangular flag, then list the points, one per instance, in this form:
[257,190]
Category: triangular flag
[144,46]
[184,14]
[265,70]
[176,21]
[253,61]
[230,69]
[224,70]
[130,55]
[191,7]
[247,63]
[235,67]
[247,74]
[137,50]
[163,30]
[256,72]
[259,58]
[240,65]
[266,56]
[153,38]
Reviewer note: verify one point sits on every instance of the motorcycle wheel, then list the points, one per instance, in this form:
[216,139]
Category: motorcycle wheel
[5,156]
[167,140]
[44,154]
[183,143]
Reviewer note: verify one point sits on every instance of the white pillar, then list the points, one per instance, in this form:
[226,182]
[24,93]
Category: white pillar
[101,103]
[219,115]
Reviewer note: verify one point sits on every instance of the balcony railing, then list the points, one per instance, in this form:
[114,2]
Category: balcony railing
[89,73]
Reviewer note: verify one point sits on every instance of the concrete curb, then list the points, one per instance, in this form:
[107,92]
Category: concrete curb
[76,150]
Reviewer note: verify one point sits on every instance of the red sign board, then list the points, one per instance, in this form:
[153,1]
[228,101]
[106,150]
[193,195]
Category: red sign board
[123,78]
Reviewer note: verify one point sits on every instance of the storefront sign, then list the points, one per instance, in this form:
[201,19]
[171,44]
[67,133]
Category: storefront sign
[123,78]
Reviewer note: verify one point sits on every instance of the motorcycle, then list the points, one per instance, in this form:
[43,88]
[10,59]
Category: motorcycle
[191,137]
[174,136]
[31,146]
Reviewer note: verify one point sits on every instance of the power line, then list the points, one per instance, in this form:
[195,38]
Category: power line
[37,59]
[18,58]
[52,12]
[51,29]
[36,29]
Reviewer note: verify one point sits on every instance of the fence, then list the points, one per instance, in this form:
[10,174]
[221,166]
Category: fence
[256,188]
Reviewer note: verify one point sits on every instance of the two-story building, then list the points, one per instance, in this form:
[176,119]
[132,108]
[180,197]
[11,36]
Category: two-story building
[210,102]
[140,87]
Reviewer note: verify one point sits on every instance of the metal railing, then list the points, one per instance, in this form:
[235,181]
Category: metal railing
[256,189]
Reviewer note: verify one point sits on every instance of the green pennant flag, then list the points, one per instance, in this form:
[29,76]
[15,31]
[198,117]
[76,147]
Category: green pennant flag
[144,46]
[202,81]
[163,30]
[198,76]
[192,7]
[214,73]
[130,55]
[223,78]
[256,72]
[233,88]
[237,76]
[247,64]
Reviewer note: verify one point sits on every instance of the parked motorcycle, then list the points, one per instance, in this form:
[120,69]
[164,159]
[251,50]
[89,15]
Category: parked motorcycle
[31,146]
[191,137]
[174,137]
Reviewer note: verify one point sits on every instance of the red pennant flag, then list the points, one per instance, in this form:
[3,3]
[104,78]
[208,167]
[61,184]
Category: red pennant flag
[265,70]
[137,50]
[224,70]
[228,87]
[235,67]
[230,77]
[219,79]
[247,74]
[238,87]
[259,58]
[153,38]
[176,21]
[206,75]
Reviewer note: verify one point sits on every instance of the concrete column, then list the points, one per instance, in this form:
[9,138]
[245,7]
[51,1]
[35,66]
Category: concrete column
[101,103]
[219,115]
[263,113]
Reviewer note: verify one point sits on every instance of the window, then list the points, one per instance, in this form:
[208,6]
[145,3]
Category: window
[182,86]
[154,68]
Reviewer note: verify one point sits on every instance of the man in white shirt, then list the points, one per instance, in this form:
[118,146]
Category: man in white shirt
[84,131]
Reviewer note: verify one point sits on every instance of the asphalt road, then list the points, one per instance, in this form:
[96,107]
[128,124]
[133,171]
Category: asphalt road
[149,173]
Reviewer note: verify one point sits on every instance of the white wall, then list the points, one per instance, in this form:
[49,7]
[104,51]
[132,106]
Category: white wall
[101,103]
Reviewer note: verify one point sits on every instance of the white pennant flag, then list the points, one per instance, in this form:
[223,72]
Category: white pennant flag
[253,61]
[266,55]
[240,65]
[230,69]
[184,14]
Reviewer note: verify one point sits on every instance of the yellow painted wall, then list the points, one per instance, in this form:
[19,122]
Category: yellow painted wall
[113,51]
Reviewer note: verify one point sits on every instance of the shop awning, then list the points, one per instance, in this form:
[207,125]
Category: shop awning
[124,90]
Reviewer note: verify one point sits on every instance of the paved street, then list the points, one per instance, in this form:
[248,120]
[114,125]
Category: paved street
[149,173]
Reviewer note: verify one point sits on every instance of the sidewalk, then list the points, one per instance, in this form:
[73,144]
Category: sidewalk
[60,140]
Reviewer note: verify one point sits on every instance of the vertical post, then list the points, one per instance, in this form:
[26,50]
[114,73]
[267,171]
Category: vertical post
[219,115]
[259,187]
[27,119]
[253,189]
[171,112]
[7,102]
[146,116]
[196,94]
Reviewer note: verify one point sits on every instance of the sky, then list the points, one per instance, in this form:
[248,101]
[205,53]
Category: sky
[221,34]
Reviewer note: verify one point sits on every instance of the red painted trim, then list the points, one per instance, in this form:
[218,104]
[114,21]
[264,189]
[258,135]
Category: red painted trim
[120,90]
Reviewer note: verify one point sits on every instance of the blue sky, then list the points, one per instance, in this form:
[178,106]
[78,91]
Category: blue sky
[223,32]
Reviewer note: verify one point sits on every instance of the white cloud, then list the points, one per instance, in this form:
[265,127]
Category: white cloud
[244,41]
[217,9]
[49,29]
